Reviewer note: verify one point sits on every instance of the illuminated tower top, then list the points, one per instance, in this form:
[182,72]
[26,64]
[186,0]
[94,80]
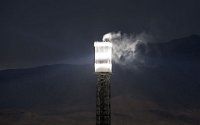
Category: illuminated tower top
[103,56]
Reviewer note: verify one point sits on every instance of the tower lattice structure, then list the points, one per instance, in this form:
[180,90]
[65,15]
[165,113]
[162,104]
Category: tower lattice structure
[103,96]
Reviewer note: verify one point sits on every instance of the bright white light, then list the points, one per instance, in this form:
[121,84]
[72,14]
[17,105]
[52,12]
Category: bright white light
[104,44]
[103,67]
[103,56]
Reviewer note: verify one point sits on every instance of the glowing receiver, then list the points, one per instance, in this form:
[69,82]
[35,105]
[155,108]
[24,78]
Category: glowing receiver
[103,56]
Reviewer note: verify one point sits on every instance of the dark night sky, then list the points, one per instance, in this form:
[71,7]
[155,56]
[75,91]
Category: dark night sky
[41,32]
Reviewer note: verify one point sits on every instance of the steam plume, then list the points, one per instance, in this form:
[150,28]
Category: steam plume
[125,47]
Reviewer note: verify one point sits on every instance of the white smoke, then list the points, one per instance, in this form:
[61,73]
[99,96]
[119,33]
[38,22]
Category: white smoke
[124,46]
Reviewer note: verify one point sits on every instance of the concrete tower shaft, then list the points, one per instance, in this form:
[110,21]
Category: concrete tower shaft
[103,108]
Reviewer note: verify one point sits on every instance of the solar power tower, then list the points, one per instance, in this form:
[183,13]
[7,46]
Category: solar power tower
[103,70]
